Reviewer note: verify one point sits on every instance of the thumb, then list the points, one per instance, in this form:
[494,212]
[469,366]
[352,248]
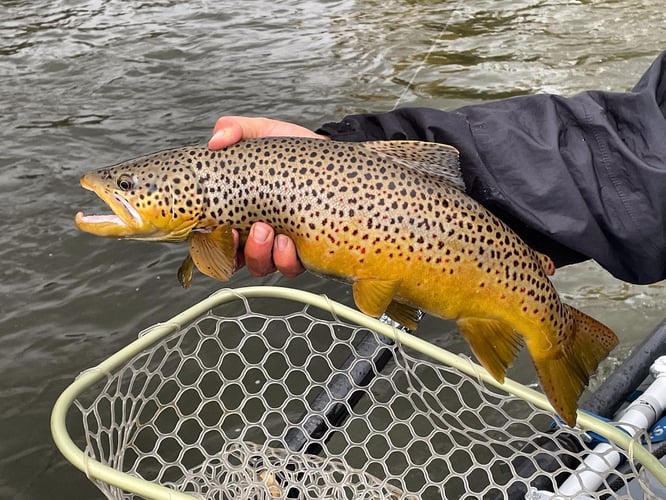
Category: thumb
[228,130]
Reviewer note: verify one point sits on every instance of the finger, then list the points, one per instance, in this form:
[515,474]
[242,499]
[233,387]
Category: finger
[231,129]
[259,250]
[228,130]
[285,256]
[240,256]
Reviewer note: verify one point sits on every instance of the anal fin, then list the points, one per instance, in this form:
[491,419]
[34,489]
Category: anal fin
[494,343]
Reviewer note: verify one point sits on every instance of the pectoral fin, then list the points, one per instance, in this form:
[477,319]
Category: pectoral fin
[214,253]
[185,272]
[494,343]
[373,296]
[407,316]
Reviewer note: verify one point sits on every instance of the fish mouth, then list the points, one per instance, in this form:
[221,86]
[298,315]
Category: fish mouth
[125,222]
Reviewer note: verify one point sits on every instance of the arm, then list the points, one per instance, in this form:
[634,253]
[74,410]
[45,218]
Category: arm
[577,178]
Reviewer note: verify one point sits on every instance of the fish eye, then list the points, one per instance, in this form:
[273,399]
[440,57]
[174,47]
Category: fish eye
[125,182]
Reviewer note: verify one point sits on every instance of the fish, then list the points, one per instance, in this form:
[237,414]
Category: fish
[390,217]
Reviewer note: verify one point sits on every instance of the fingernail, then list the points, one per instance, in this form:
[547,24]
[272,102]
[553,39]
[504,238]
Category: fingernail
[218,136]
[281,242]
[260,234]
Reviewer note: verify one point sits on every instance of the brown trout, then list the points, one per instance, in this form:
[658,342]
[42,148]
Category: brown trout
[391,217]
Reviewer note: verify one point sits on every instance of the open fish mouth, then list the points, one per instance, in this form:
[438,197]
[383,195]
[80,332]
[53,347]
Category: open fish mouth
[124,222]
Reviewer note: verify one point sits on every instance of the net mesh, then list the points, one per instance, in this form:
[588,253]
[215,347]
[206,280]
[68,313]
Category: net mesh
[246,404]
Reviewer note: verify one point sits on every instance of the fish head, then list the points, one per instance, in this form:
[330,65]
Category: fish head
[154,197]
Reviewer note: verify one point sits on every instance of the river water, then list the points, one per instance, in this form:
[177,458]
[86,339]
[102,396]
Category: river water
[87,83]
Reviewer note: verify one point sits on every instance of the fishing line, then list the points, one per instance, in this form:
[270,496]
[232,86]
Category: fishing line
[405,366]
[427,56]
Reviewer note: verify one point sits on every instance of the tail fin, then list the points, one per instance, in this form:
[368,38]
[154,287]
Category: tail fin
[564,376]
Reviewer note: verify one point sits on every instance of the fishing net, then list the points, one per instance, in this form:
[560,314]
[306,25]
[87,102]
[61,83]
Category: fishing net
[239,402]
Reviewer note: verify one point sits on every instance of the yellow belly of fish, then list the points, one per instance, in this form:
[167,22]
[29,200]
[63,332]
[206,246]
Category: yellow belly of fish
[448,287]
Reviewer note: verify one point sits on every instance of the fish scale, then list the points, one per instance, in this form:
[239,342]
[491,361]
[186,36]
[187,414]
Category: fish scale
[391,217]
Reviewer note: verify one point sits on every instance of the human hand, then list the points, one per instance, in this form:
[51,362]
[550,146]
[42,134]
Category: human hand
[231,129]
[264,251]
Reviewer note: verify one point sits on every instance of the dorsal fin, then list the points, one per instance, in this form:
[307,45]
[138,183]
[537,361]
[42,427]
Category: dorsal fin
[428,158]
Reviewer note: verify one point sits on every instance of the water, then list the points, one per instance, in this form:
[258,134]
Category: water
[87,83]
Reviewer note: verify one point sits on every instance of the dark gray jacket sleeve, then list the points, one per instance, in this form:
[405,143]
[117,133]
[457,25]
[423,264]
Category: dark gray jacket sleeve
[580,177]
